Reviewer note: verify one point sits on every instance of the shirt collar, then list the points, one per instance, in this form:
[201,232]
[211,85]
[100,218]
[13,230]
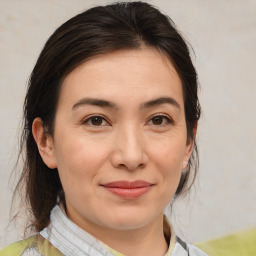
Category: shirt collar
[74,241]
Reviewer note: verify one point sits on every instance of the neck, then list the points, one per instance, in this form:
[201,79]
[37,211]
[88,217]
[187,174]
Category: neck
[149,240]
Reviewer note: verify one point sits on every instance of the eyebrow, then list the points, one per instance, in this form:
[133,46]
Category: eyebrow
[160,101]
[108,104]
[94,102]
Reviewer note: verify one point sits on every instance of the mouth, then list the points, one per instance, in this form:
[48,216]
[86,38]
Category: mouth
[128,189]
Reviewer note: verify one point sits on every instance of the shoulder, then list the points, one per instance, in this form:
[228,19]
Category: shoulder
[182,248]
[34,245]
[241,243]
[19,247]
[195,251]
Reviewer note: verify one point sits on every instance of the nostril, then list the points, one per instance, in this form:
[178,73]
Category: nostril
[141,165]
[129,158]
[131,167]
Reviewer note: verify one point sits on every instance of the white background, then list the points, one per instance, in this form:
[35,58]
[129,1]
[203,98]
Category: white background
[223,35]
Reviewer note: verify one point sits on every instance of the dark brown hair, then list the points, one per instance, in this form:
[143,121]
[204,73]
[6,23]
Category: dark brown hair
[99,30]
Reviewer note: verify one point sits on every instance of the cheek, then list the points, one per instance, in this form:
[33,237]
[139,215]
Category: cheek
[168,157]
[170,153]
[78,160]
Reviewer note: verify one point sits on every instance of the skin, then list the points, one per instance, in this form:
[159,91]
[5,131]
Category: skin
[129,140]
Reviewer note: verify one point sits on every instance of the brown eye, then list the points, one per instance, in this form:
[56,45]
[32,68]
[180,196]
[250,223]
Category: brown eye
[160,120]
[157,120]
[95,121]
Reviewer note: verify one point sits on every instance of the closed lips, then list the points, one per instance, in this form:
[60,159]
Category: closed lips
[128,184]
[127,189]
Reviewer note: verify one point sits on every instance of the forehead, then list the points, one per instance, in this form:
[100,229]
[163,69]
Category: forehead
[124,75]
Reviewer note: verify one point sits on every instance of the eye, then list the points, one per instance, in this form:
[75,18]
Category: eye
[95,121]
[160,120]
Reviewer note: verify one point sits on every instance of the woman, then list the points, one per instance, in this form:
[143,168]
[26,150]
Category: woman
[110,116]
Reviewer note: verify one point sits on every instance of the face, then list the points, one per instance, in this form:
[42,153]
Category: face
[120,139]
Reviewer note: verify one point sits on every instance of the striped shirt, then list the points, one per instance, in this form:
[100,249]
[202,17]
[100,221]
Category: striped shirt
[63,237]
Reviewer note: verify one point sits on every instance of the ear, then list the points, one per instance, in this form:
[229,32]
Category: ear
[189,148]
[44,143]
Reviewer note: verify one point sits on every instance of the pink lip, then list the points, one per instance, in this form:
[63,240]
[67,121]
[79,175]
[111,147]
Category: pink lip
[127,189]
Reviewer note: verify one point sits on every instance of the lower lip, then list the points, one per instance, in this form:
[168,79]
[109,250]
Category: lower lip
[128,193]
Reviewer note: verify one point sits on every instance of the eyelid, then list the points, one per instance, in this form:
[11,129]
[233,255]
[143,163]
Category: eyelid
[88,118]
[167,117]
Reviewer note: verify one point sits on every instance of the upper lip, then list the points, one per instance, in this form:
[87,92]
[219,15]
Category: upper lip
[127,184]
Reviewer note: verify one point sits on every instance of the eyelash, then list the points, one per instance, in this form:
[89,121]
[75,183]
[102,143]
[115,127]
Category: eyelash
[167,119]
[88,120]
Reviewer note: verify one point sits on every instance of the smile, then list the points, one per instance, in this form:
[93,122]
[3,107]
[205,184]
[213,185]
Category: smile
[127,189]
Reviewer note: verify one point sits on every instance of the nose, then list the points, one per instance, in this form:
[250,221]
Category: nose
[129,150]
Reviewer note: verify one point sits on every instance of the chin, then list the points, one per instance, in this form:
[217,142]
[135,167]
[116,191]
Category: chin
[128,225]
[129,220]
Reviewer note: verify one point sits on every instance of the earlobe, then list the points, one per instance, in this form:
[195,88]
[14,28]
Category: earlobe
[189,148]
[44,143]
[188,152]
[184,164]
